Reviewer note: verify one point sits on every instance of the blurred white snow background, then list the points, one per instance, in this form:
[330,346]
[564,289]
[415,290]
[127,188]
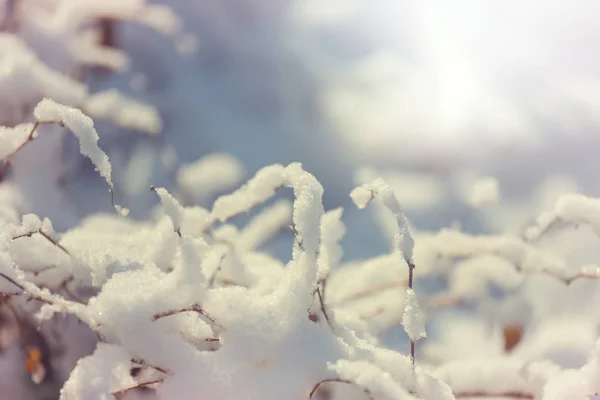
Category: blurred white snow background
[424,91]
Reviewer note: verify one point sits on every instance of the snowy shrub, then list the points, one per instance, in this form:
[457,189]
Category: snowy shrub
[189,304]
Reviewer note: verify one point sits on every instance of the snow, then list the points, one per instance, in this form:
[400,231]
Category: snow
[484,191]
[260,188]
[211,175]
[412,320]
[265,226]
[363,194]
[12,138]
[82,127]
[172,207]
[332,231]
[161,18]
[108,360]
[122,111]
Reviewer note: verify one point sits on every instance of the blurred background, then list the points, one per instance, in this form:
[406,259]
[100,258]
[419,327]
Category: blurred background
[432,95]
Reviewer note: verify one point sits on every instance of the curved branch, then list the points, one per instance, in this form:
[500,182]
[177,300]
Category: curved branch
[337,380]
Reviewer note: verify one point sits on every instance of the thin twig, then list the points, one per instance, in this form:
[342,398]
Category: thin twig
[411,267]
[137,386]
[213,276]
[143,363]
[337,380]
[11,280]
[323,309]
[65,286]
[54,242]
[195,308]
[36,272]
[30,138]
[567,280]
[45,236]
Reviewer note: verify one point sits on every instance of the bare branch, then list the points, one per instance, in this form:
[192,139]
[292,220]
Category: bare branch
[30,138]
[195,308]
[213,276]
[11,280]
[45,236]
[322,305]
[65,287]
[137,386]
[337,380]
[567,280]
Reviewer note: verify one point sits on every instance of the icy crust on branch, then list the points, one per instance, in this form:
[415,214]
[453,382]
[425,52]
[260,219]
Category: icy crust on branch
[82,127]
[172,208]
[363,195]
[412,319]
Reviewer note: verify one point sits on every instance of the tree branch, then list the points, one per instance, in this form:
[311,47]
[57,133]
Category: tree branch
[337,380]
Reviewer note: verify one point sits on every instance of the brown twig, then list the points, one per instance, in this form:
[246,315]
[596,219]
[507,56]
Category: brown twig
[213,276]
[195,308]
[15,283]
[45,236]
[322,305]
[566,280]
[30,138]
[336,380]
[36,272]
[411,268]
[65,287]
